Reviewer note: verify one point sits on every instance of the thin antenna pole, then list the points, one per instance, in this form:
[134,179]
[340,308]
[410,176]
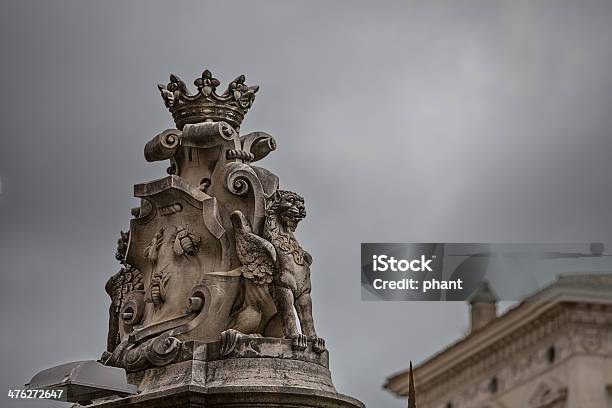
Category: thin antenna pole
[411,393]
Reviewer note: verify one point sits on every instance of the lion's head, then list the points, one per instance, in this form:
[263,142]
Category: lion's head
[288,208]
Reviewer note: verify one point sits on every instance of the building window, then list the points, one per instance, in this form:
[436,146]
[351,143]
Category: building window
[551,354]
[493,385]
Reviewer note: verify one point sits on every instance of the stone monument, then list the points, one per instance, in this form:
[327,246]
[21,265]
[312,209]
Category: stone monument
[212,305]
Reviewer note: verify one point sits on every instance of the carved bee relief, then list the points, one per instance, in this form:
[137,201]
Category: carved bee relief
[156,292]
[186,242]
[183,242]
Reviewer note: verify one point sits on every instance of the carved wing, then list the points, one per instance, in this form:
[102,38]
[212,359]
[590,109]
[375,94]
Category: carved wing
[257,255]
[258,258]
[123,282]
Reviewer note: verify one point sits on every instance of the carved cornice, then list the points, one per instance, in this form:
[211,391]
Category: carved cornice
[569,328]
[511,330]
[484,362]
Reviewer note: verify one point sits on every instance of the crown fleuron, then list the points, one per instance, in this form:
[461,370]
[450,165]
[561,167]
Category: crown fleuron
[207,105]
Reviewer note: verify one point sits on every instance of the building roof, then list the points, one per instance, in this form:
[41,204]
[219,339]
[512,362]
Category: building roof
[573,288]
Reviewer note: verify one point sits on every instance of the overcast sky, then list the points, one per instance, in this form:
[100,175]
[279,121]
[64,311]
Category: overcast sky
[424,121]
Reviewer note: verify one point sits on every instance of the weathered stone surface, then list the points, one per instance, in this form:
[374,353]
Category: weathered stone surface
[255,372]
[242,397]
[248,361]
[211,248]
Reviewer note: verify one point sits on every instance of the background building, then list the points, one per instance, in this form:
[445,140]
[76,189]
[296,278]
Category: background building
[552,350]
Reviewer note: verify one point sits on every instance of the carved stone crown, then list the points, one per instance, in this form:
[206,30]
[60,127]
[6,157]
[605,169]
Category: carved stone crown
[207,104]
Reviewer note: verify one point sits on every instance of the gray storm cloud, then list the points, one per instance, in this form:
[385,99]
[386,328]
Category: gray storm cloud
[442,121]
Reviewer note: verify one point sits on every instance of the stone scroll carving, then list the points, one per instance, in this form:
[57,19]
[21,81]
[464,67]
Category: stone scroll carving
[211,253]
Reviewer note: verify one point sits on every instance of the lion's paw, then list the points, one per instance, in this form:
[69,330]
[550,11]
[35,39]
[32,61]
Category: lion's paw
[318,345]
[300,342]
[229,339]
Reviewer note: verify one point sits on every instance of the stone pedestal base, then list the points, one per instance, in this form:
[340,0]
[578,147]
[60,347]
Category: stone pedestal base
[239,397]
[243,372]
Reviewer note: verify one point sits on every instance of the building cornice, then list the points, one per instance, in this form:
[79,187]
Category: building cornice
[548,311]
